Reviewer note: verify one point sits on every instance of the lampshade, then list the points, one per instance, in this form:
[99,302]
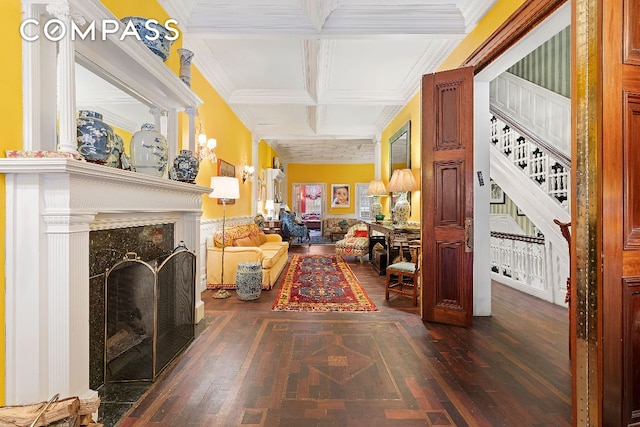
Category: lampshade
[225,187]
[268,205]
[376,188]
[402,180]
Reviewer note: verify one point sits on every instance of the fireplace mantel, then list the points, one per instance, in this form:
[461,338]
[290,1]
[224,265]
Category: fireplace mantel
[52,205]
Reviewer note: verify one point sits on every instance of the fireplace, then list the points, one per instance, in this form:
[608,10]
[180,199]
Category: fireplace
[124,287]
[53,204]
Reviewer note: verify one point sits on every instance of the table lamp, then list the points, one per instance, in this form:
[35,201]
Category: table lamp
[401,182]
[377,189]
[269,206]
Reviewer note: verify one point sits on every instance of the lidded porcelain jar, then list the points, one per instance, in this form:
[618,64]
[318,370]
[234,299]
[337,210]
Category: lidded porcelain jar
[96,139]
[185,166]
[149,151]
[118,148]
[154,35]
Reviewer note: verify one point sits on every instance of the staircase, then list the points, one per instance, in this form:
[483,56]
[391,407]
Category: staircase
[529,152]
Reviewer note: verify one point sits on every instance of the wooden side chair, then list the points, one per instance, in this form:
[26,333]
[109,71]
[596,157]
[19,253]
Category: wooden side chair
[403,277]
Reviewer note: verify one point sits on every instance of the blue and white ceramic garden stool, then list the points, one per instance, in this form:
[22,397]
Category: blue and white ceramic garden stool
[249,281]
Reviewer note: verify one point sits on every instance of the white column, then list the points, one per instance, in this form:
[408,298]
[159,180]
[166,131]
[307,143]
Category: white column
[481,227]
[172,135]
[25,281]
[67,326]
[377,156]
[192,113]
[66,80]
[255,142]
[188,231]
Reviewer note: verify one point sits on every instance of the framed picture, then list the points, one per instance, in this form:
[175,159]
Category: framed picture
[226,169]
[497,195]
[340,195]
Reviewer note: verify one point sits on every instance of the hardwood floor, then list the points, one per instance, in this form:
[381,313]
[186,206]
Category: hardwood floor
[255,367]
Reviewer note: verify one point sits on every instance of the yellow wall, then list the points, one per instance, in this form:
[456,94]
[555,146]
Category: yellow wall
[330,174]
[11,113]
[234,146]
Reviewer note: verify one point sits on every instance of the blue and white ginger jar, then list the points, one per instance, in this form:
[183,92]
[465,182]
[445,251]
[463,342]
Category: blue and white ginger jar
[149,151]
[96,139]
[161,46]
[185,166]
[118,148]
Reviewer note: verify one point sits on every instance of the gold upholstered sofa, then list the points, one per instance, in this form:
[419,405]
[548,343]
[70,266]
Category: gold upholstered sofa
[245,243]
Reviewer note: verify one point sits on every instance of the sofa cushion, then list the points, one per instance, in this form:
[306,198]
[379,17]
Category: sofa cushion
[233,233]
[272,255]
[273,245]
[244,241]
[361,233]
[254,239]
[262,238]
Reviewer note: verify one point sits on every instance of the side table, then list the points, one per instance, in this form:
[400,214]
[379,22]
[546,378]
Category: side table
[274,230]
[249,281]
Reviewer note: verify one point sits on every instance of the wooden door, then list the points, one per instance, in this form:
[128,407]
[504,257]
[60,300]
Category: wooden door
[620,220]
[447,197]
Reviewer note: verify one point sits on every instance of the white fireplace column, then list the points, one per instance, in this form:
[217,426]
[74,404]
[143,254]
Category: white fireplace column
[188,231]
[67,320]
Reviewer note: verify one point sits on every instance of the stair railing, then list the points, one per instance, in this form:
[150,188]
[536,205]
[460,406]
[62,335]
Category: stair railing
[520,259]
[547,167]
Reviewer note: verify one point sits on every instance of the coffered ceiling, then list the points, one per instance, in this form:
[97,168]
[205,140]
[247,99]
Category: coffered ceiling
[320,79]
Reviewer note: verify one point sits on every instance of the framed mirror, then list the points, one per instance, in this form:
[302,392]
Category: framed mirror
[400,153]
[400,149]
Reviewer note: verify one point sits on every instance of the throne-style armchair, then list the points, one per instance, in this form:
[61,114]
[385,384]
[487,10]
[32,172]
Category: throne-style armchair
[291,229]
[355,242]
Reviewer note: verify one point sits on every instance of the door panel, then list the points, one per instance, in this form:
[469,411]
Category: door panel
[449,207]
[447,196]
[620,213]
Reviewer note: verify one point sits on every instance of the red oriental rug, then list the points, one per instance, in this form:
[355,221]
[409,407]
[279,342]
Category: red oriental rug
[321,283]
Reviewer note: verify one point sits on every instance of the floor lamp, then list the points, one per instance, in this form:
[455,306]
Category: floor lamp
[224,188]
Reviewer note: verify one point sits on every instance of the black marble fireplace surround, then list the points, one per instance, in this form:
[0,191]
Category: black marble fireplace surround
[106,248]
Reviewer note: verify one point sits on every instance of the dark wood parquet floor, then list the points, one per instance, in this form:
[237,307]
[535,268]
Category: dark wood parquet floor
[255,367]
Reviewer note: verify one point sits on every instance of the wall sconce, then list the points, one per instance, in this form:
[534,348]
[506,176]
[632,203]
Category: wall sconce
[206,148]
[247,173]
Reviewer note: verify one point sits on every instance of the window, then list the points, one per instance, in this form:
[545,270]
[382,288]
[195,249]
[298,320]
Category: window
[363,203]
[308,198]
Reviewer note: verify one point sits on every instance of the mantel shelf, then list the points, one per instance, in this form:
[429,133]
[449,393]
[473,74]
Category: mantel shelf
[90,172]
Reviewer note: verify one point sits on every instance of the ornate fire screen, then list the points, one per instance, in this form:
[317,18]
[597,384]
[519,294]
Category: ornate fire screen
[149,314]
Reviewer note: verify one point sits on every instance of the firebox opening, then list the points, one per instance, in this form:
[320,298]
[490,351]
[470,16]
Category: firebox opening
[149,315]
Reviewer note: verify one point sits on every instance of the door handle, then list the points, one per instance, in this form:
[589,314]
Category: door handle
[468,235]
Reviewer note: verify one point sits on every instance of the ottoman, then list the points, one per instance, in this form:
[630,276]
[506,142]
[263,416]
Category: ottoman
[249,281]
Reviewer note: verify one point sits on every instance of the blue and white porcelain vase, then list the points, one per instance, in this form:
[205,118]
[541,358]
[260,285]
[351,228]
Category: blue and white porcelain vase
[149,151]
[161,45]
[185,65]
[185,166]
[114,160]
[96,139]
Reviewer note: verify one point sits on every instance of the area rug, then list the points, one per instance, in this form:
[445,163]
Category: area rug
[321,240]
[321,283]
